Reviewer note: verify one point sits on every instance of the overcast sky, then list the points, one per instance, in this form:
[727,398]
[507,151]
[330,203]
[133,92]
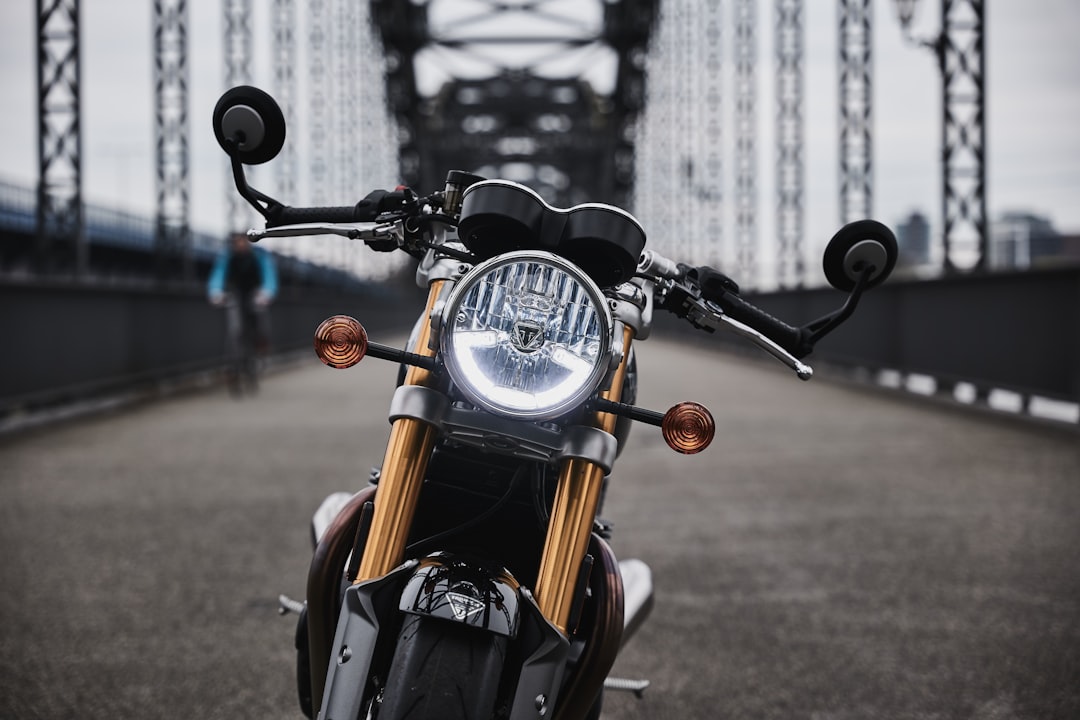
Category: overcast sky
[1033,108]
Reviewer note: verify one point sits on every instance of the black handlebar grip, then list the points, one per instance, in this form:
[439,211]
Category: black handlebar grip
[286,215]
[367,210]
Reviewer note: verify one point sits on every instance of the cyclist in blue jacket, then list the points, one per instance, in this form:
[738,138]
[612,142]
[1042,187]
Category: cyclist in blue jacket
[244,281]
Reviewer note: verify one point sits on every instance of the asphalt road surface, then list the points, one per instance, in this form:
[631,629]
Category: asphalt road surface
[837,553]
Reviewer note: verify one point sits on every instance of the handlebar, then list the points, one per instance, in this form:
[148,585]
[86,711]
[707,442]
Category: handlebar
[655,265]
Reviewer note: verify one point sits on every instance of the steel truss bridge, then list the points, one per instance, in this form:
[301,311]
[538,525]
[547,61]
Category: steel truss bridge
[649,104]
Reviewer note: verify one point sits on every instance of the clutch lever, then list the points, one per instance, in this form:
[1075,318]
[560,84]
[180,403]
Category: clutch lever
[367,231]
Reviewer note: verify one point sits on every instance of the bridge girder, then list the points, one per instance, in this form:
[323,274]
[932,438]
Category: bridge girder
[513,99]
[173,234]
[61,243]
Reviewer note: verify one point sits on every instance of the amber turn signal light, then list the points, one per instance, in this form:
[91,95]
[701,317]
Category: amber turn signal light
[340,341]
[688,427]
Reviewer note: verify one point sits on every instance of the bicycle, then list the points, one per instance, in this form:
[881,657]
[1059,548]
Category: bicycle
[245,342]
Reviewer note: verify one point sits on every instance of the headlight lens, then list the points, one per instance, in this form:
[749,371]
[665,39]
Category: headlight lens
[527,335]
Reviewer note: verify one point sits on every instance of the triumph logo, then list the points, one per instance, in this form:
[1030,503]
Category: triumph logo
[527,336]
[462,605]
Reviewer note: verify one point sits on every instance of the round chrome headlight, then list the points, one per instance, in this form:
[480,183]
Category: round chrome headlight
[526,335]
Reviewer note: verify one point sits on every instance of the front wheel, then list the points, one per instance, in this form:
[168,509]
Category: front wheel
[442,671]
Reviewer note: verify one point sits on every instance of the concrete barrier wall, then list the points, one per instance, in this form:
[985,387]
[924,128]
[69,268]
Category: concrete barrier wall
[59,341]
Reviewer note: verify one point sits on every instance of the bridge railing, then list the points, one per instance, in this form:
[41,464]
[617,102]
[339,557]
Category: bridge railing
[126,240]
[1008,339]
[104,225]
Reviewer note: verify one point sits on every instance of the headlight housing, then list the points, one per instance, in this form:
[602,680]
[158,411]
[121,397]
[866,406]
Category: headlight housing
[527,335]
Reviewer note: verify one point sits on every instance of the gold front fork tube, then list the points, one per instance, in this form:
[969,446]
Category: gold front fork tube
[402,475]
[573,512]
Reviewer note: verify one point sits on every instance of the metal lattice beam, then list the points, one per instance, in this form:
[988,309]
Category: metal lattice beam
[746,198]
[627,29]
[707,46]
[959,48]
[318,102]
[173,234]
[61,242]
[237,58]
[680,190]
[319,116]
[856,109]
[283,59]
[655,168]
[346,50]
[789,141]
[283,21]
[961,55]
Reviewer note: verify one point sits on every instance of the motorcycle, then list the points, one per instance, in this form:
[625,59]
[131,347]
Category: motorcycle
[471,577]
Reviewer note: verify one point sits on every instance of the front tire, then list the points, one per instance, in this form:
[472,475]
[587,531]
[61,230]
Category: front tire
[443,671]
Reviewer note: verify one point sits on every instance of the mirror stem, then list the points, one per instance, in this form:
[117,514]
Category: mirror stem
[253,196]
[824,325]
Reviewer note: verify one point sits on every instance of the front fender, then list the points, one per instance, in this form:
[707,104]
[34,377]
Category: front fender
[457,589]
[454,589]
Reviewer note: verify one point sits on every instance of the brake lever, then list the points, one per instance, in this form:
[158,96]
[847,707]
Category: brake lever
[704,314]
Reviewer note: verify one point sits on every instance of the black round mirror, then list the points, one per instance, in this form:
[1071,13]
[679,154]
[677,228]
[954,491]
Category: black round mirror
[854,248]
[249,125]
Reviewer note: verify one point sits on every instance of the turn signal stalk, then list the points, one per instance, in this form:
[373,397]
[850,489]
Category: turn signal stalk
[341,342]
[687,427]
